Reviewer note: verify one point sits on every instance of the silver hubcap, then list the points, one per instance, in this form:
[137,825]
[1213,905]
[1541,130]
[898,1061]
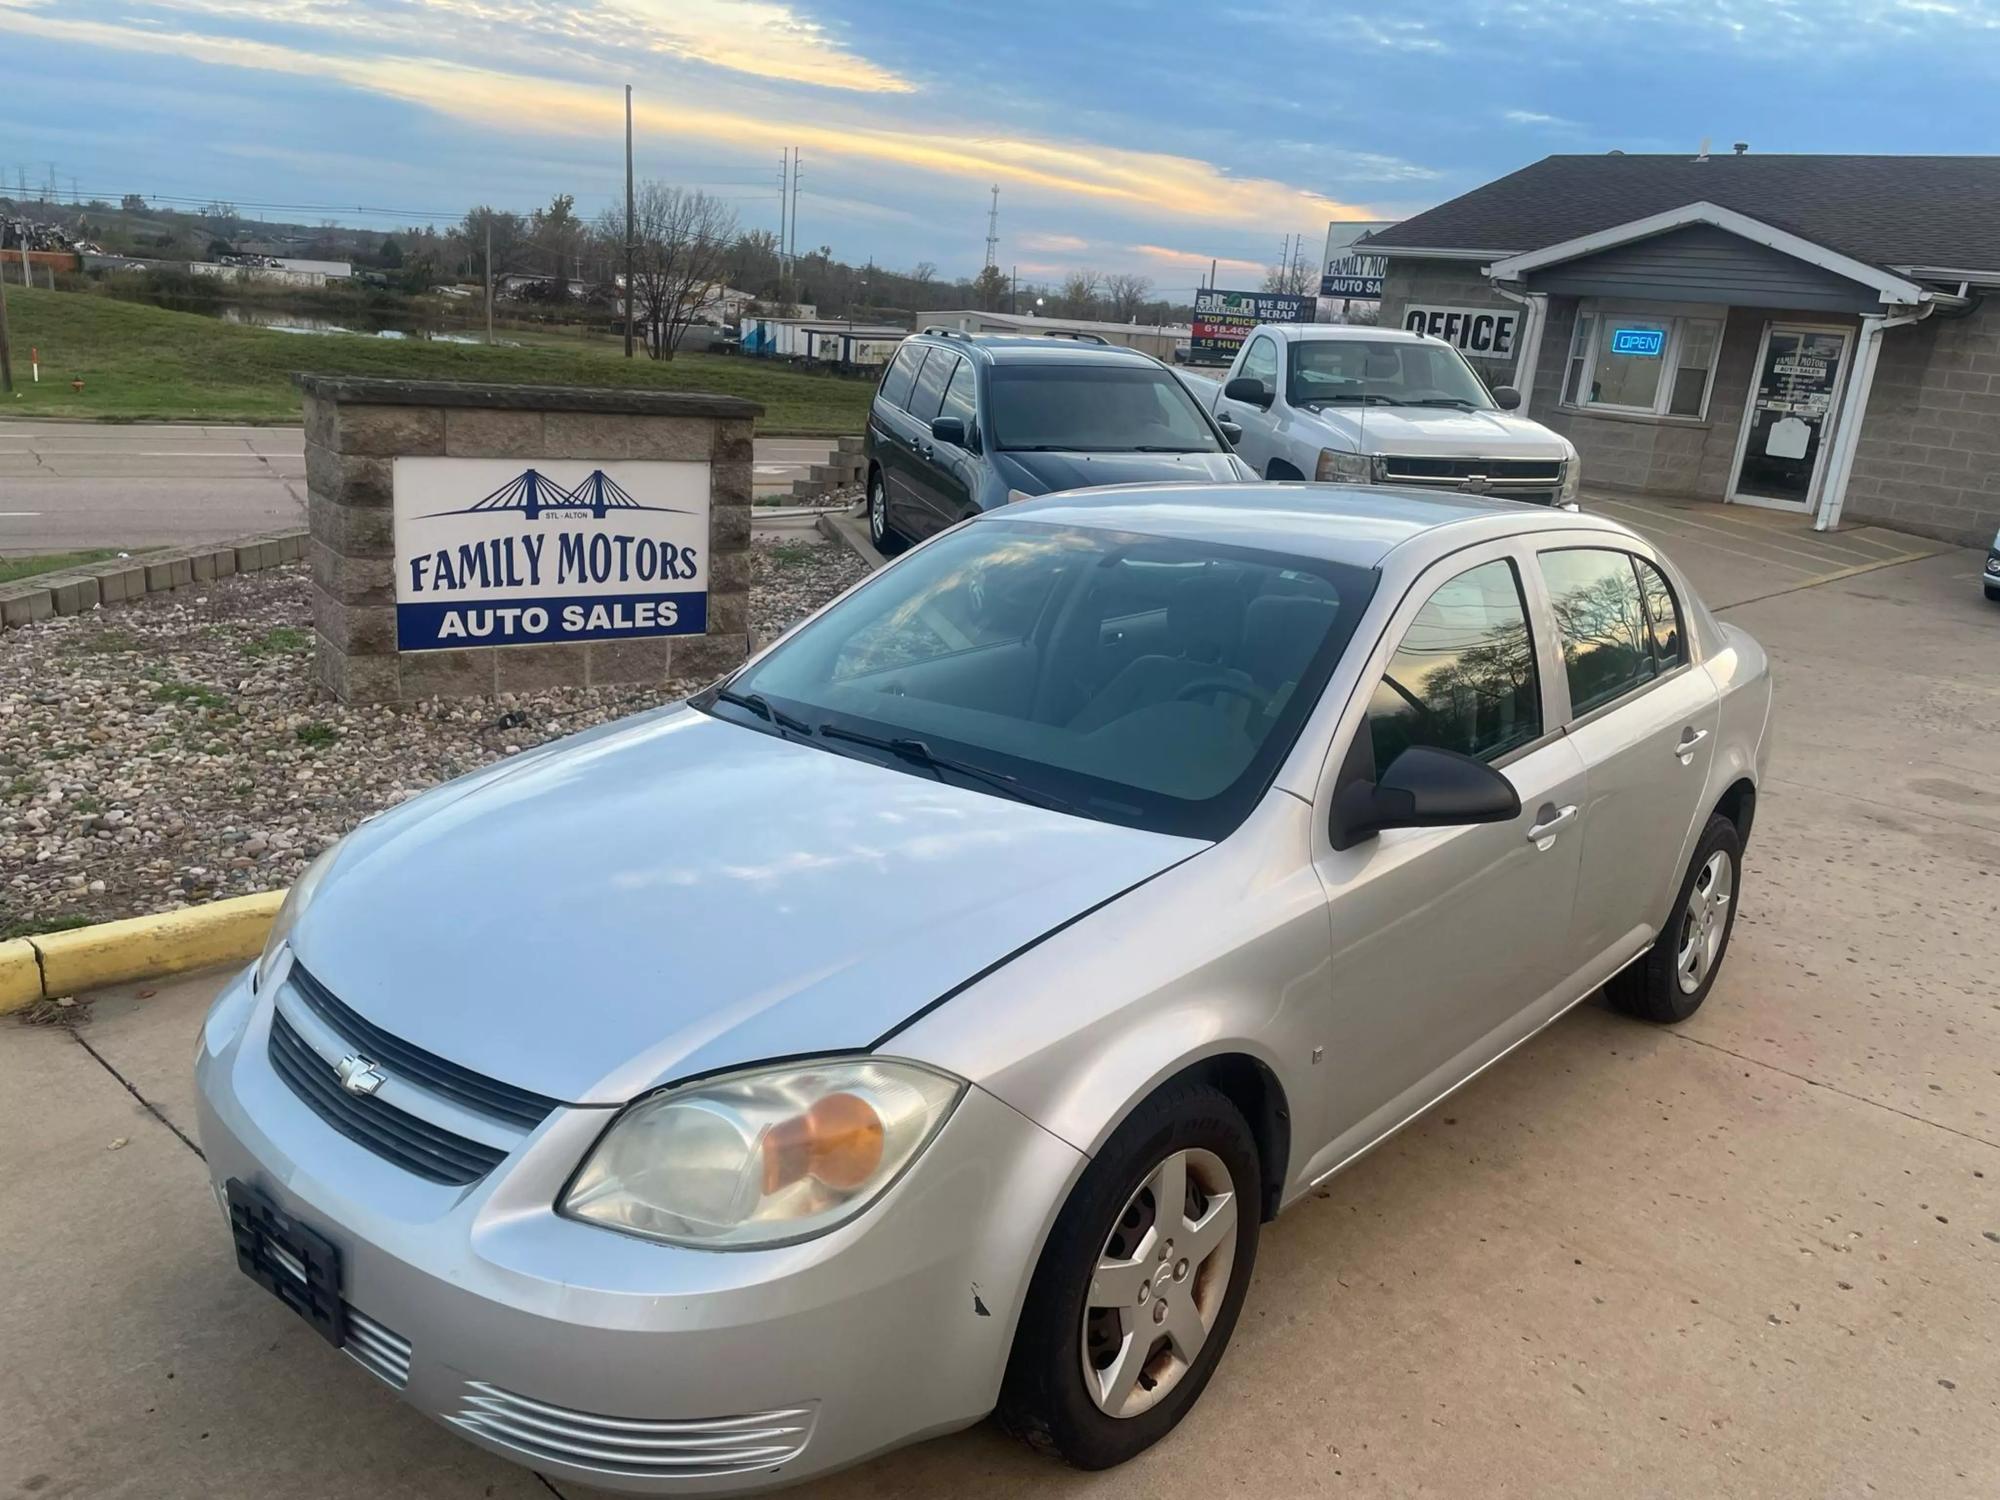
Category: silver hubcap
[878,510]
[1159,1283]
[1705,921]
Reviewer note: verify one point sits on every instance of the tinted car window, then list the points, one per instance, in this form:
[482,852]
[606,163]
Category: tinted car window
[929,389]
[996,645]
[902,374]
[1077,408]
[1261,363]
[1463,677]
[961,397]
[1600,622]
[1663,616]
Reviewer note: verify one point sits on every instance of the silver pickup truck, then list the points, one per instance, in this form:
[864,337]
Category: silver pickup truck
[1381,406]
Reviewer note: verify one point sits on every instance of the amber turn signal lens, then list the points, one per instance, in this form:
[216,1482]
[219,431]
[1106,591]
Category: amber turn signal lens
[838,1142]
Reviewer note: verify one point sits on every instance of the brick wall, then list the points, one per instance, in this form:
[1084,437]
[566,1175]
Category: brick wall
[1929,458]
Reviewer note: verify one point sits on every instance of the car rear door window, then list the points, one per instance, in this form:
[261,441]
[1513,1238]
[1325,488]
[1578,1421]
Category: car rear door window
[1601,623]
[928,392]
[902,374]
[1663,617]
[1463,677]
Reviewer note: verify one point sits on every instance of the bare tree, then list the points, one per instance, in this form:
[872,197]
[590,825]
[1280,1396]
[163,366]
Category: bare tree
[1127,295]
[683,245]
[1297,276]
[1079,293]
[989,287]
[924,273]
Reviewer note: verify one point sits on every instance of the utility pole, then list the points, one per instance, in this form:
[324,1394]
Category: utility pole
[798,154]
[489,275]
[630,228]
[784,211]
[993,230]
[6,353]
[1013,290]
[1211,274]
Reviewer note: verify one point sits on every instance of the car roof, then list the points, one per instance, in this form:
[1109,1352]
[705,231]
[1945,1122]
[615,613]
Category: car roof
[1360,333]
[1351,524]
[1034,349]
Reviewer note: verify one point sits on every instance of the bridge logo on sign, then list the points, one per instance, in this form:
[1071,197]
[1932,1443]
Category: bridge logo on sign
[494,552]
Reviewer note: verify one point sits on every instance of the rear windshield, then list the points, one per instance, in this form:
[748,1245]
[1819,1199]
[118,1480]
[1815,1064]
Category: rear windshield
[1127,678]
[1068,408]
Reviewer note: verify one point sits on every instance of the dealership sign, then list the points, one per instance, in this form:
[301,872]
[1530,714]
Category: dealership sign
[1222,320]
[1348,272]
[515,552]
[1479,331]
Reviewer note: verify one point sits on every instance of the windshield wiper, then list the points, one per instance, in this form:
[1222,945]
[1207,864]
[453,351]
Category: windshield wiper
[763,708]
[1164,448]
[1444,401]
[917,752]
[1342,397]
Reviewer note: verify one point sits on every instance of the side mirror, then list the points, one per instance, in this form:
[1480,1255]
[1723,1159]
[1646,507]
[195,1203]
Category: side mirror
[1424,787]
[1247,389]
[1506,397]
[1232,434]
[949,430]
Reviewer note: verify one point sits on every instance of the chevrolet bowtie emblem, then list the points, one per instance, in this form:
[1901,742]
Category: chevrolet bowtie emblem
[359,1076]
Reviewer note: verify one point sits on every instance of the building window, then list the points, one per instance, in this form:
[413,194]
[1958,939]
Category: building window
[1629,361]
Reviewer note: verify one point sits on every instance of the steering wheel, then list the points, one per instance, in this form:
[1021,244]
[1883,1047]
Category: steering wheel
[1256,697]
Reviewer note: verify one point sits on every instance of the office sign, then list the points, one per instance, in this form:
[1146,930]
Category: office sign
[1482,332]
[516,552]
[1640,343]
[1348,272]
[1222,320]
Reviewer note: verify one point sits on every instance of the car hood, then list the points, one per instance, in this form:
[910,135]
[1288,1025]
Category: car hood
[683,894]
[1045,473]
[1441,431]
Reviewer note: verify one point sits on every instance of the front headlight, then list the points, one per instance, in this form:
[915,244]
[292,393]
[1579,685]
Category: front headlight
[296,900]
[1572,482]
[1342,468]
[761,1158]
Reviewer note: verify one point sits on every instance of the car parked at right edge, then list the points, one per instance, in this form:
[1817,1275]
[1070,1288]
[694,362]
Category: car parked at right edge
[1992,575]
[962,424]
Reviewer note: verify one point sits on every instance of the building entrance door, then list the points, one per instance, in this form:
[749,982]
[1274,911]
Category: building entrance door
[1794,393]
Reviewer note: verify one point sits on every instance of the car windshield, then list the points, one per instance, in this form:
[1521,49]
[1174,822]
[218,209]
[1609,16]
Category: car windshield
[1128,678]
[1381,372]
[1080,408]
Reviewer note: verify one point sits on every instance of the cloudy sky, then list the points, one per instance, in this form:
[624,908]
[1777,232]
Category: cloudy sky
[1145,135]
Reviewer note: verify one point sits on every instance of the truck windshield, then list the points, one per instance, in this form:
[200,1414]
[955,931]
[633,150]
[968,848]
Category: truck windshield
[1372,372]
[1081,408]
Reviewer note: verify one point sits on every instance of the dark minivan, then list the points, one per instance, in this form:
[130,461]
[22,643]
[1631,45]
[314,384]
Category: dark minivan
[963,423]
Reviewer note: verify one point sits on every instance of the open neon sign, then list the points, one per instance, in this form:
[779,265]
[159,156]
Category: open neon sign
[1641,343]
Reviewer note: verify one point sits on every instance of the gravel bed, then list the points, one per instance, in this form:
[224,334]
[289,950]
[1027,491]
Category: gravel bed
[175,750]
[843,497]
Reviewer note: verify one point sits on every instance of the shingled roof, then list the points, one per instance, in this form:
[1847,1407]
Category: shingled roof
[1890,210]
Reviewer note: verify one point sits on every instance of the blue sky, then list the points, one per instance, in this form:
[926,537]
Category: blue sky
[1124,135]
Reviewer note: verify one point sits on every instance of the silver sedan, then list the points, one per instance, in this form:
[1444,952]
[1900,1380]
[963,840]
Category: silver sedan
[923,1021]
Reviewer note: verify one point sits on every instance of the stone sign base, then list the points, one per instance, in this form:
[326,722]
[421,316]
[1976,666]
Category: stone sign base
[356,429]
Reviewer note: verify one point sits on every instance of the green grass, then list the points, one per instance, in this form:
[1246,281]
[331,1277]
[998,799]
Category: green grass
[278,641]
[39,925]
[188,692]
[143,363]
[316,736]
[13,568]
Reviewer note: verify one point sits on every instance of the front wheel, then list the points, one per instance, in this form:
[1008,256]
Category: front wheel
[888,541]
[1139,1287]
[1669,983]
[1993,592]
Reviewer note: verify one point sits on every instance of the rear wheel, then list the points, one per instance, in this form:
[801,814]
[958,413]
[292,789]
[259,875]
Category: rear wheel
[888,541]
[1993,592]
[1669,983]
[1139,1287]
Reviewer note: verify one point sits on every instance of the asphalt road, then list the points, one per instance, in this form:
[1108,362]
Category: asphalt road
[66,486]
[1756,1255]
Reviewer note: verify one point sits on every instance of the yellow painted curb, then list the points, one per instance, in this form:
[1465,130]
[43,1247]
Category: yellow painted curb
[87,958]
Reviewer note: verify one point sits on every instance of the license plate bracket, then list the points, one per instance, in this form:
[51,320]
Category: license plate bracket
[296,1265]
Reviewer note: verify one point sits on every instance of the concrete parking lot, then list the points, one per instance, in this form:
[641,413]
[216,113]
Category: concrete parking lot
[1757,1255]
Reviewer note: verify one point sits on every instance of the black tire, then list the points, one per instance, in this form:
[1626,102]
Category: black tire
[1043,1400]
[888,541]
[1993,592]
[1652,987]
[1278,469]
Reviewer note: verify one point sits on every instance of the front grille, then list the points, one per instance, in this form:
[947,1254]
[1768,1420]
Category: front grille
[1413,469]
[413,1144]
[489,1096]
[382,1351]
[631,1445]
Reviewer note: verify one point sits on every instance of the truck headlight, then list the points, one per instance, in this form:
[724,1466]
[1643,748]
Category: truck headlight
[1343,468]
[1572,483]
[762,1158]
[297,899]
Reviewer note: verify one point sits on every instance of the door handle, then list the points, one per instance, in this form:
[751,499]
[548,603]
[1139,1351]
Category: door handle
[1552,819]
[1689,739]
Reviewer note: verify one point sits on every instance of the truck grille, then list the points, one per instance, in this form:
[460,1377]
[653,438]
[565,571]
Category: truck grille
[1532,479]
[635,1446]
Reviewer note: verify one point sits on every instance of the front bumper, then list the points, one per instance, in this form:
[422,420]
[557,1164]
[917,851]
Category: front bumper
[637,1366]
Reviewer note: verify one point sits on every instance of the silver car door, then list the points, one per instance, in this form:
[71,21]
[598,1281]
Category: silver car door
[1448,944]
[1643,717]
[1259,423]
